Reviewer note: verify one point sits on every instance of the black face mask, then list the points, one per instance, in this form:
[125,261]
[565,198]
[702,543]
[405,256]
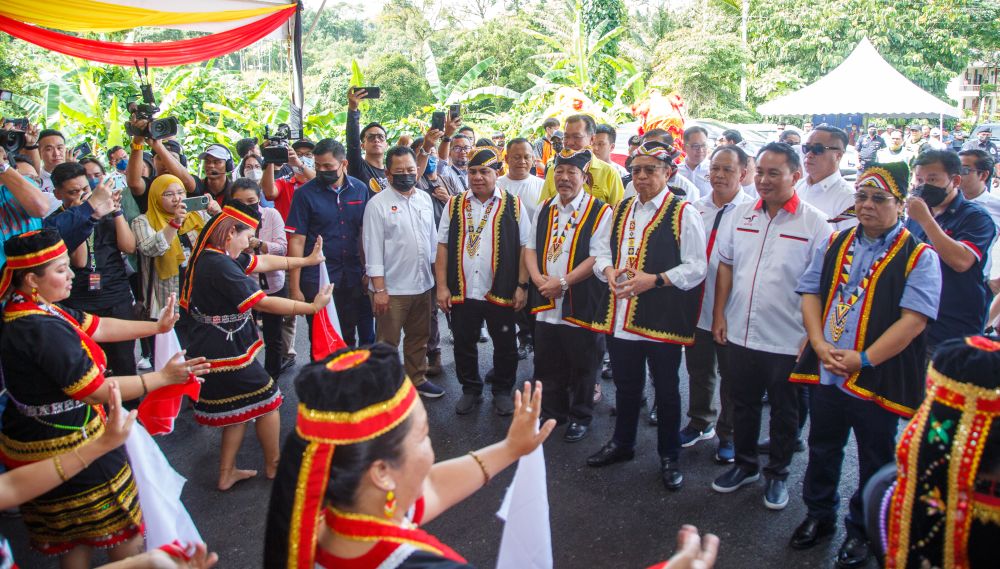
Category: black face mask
[404,182]
[328,177]
[932,195]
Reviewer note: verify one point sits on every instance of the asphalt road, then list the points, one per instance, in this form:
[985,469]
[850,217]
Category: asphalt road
[619,516]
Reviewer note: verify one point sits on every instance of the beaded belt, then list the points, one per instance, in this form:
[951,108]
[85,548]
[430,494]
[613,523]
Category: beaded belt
[223,319]
[49,409]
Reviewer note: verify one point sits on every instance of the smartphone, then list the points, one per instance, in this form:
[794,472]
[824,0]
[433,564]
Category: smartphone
[18,123]
[437,121]
[455,111]
[197,203]
[82,150]
[370,92]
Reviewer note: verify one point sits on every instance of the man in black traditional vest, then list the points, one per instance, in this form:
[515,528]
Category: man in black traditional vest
[655,269]
[568,233]
[480,276]
[866,299]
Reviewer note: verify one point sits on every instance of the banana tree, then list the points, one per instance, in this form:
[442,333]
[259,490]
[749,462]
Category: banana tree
[576,53]
[462,91]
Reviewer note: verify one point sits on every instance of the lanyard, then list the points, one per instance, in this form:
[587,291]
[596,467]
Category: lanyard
[715,231]
[559,237]
[847,301]
[475,234]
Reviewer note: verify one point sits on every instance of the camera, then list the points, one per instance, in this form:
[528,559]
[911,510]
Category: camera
[155,129]
[11,141]
[276,152]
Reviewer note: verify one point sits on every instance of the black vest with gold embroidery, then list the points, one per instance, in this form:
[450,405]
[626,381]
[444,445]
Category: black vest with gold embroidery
[506,248]
[582,301]
[898,383]
[666,314]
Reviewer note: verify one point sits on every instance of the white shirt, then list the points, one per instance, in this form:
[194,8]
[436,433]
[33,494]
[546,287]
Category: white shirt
[990,202]
[832,195]
[685,276]
[49,189]
[708,210]
[886,155]
[768,255]
[399,241]
[600,244]
[692,192]
[697,176]
[478,268]
[528,189]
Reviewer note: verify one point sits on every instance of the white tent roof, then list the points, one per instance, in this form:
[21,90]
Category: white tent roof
[863,84]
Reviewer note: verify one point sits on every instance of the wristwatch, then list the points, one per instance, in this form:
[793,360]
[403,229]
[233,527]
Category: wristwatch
[563,283]
[659,281]
[522,286]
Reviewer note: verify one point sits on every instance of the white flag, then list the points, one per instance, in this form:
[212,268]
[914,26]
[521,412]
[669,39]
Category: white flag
[159,487]
[527,537]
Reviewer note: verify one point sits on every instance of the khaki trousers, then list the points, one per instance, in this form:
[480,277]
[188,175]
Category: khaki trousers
[409,315]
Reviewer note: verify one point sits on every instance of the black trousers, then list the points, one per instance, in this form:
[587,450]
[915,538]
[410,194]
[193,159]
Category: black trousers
[628,365]
[525,327]
[834,415]
[753,371]
[274,342]
[567,360]
[353,310]
[466,322]
[120,355]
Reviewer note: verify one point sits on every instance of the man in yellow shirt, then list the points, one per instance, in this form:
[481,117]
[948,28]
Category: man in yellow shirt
[603,183]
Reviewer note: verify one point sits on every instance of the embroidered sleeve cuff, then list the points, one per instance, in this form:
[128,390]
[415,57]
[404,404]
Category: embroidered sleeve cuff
[252,301]
[252,265]
[90,323]
[89,383]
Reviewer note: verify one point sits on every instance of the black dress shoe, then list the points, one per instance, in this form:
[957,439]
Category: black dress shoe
[810,532]
[610,453]
[575,432]
[854,553]
[670,473]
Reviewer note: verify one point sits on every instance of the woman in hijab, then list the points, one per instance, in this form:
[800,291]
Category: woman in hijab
[165,236]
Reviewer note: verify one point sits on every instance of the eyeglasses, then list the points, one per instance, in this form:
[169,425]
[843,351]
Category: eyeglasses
[462,149]
[965,171]
[697,146]
[375,138]
[875,197]
[818,148]
[648,170]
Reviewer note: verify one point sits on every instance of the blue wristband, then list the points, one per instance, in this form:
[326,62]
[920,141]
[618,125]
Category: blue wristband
[865,362]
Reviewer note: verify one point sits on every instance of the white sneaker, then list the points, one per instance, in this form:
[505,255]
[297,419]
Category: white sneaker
[143,363]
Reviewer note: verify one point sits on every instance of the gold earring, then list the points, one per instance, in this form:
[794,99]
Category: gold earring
[34,295]
[390,505]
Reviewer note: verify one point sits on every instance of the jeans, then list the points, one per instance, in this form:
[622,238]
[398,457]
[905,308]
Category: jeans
[628,365]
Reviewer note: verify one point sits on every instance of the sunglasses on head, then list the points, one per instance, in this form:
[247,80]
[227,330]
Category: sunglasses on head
[818,148]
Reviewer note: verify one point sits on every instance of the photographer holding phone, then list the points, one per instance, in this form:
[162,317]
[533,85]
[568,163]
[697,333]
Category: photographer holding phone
[165,235]
[370,169]
[100,283]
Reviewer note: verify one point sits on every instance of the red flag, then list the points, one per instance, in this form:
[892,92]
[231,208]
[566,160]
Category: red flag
[326,336]
[160,408]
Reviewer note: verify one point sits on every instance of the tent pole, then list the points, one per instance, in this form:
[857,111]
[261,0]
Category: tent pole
[298,87]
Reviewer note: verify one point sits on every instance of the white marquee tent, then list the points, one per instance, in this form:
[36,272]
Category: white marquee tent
[863,84]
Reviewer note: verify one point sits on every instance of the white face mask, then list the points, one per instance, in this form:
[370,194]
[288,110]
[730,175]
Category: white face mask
[308,162]
[255,175]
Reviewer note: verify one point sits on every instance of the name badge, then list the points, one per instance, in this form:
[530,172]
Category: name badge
[95,282]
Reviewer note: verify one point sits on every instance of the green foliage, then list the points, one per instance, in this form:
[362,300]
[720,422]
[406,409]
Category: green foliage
[706,73]
[404,89]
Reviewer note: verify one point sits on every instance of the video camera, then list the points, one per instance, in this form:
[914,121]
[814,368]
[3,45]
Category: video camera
[276,152]
[155,129]
[11,140]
